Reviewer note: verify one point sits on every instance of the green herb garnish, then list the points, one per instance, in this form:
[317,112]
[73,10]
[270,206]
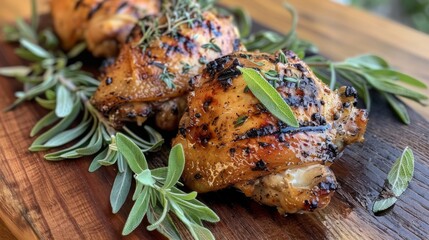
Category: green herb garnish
[269,96]
[58,84]
[364,73]
[397,182]
[156,195]
[240,120]
[213,46]
[185,68]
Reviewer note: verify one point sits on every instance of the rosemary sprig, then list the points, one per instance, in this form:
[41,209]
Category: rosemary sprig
[58,84]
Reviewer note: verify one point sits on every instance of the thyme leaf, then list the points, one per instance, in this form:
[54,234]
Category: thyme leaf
[213,46]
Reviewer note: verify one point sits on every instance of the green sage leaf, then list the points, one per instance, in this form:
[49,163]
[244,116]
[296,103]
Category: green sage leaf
[269,96]
[132,153]
[145,178]
[383,204]
[402,172]
[15,71]
[64,101]
[176,164]
[121,188]
[398,107]
[94,166]
[35,49]
[368,61]
[138,212]
[47,120]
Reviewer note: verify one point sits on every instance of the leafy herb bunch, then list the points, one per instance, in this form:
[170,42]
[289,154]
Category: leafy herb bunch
[365,72]
[58,83]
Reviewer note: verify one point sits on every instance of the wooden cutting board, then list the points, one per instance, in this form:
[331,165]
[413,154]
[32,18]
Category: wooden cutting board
[62,200]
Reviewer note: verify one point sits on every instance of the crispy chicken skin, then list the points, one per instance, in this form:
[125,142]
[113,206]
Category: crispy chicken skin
[132,88]
[230,139]
[102,24]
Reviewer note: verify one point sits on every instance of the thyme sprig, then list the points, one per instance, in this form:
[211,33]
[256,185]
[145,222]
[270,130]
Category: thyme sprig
[173,14]
[58,83]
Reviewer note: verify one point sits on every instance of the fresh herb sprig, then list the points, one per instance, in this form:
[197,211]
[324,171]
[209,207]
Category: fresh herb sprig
[397,182]
[59,84]
[156,195]
[370,72]
[365,72]
[268,96]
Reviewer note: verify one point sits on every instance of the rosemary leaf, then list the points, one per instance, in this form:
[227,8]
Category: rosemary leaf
[269,96]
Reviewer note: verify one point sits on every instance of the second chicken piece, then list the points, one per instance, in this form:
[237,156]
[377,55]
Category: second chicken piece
[154,70]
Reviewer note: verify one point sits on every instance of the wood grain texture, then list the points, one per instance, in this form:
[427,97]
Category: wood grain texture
[62,200]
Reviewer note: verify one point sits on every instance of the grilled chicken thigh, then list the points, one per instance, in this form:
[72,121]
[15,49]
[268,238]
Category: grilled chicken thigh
[154,79]
[230,139]
[102,24]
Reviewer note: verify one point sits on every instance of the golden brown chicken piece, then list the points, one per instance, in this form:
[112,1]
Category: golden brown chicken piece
[230,139]
[102,24]
[155,80]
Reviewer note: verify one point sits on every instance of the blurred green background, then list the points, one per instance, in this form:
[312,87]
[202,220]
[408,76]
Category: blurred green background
[414,13]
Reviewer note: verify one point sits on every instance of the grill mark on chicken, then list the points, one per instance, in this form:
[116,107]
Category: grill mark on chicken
[95,9]
[121,6]
[78,4]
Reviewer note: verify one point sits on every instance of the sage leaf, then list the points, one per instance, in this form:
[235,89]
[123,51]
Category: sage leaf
[145,178]
[93,147]
[398,179]
[138,212]
[67,136]
[383,204]
[395,75]
[47,120]
[35,49]
[269,96]
[199,232]
[132,153]
[15,71]
[176,164]
[76,50]
[48,104]
[94,166]
[59,127]
[398,107]
[120,189]
[368,61]
[64,101]
[167,226]
[161,218]
[402,172]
